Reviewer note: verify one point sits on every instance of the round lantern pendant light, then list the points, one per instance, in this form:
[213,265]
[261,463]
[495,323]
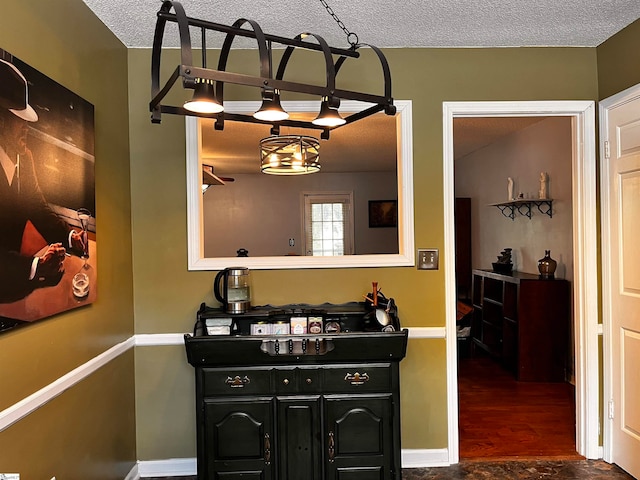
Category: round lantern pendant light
[289,155]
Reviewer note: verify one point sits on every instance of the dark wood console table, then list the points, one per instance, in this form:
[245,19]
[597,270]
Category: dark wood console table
[523,321]
[298,407]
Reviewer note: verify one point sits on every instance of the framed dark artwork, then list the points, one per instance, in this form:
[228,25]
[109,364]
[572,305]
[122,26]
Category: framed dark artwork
[383,213]
[47,196]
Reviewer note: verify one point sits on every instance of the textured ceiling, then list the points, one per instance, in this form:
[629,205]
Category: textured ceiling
[409,23]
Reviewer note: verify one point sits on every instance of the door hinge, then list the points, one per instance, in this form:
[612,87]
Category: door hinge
[607,149]
[611,410]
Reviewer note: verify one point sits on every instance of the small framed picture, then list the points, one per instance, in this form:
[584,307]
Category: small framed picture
[383,213]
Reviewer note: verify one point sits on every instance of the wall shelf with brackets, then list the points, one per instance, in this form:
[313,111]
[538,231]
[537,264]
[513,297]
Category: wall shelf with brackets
[523,207]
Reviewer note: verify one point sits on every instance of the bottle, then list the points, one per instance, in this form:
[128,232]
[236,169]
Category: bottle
[547,266]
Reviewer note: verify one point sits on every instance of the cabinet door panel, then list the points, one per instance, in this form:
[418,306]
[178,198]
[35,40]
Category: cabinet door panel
[359,437]
[239,438]
[299,448]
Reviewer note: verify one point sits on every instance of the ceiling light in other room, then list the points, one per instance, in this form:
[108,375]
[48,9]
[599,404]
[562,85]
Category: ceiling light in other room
[209,178]
[289,155]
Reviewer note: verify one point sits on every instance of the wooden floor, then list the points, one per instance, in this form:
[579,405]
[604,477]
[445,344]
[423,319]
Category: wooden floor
[502,418]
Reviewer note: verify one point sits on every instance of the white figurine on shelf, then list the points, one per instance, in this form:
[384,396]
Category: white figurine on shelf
[542,193]
[510,188]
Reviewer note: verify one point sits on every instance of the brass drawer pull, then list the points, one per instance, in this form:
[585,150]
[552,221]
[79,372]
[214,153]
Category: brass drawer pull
[332,448]
[237,382]
[356,378]
[267,449]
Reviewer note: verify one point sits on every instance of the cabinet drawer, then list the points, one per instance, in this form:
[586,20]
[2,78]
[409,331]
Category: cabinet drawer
[236,381]
[298,380]
[310,380]
[358,378]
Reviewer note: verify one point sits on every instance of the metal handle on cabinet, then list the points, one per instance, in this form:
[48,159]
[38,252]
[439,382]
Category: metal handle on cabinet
[332,447]
[285,381]
[237,382]
[267,449]
[356,378]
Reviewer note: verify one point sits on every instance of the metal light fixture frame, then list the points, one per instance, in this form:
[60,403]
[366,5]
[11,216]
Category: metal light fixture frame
[289,155]
[192,74]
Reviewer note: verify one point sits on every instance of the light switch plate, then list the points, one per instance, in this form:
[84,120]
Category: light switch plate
[428,259]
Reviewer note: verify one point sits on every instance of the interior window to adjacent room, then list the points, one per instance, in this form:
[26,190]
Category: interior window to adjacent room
[328,223]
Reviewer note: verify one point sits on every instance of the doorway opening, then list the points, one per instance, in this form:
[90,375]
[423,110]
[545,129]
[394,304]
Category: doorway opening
[584,284]
[515,360]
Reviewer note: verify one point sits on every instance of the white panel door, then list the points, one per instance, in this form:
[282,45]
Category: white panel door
[621,245]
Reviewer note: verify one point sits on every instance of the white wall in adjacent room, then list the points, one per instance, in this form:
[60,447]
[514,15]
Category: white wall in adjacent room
[260,213]
[482,175]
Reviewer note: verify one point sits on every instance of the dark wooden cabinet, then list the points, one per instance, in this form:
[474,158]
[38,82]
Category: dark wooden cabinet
[463,247]
[523,321]
[331,412]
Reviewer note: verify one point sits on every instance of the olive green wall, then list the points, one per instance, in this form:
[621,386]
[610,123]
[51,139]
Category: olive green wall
[168,295]
[85,434]
[619,61]
[88,431]
[140,181]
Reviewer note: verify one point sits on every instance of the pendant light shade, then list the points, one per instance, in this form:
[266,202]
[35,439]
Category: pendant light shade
[204,99]
[328,117]
[289,155]
[271,110]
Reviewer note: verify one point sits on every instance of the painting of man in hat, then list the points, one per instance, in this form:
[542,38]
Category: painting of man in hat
[27,218]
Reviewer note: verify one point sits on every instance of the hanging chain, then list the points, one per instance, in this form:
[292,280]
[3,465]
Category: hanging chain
[352,38]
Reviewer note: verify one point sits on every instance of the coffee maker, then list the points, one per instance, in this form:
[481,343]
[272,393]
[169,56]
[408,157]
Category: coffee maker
[232,288]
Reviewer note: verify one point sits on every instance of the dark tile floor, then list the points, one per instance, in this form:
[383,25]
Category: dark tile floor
[509,470]
[520,470]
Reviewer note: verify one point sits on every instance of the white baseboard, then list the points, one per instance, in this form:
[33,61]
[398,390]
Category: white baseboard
[134,474]
[434,457]
[176,467]
[172,467]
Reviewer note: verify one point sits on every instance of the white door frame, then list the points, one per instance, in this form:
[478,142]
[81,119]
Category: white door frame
[585,284]
[605,206]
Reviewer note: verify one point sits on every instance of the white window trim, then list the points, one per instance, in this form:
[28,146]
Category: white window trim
[329,197]
[404,258]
